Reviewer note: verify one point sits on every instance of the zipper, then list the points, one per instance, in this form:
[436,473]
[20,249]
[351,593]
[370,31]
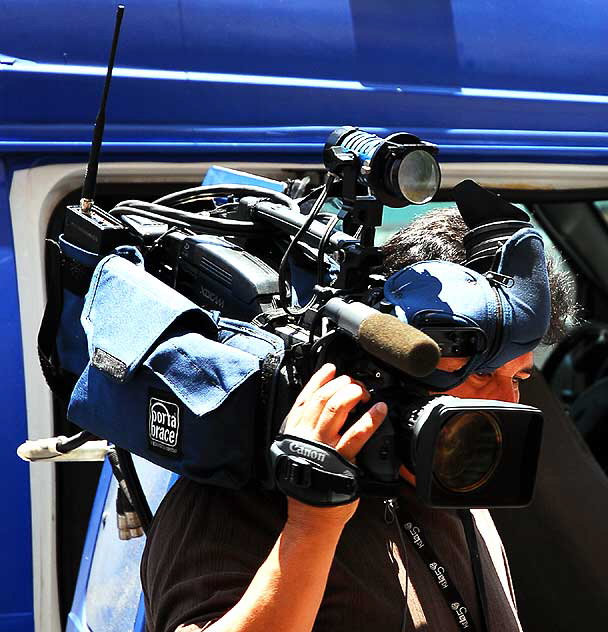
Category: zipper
[389,510]
[499,327]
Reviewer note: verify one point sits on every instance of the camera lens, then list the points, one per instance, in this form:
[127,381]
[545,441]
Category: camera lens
[468,451]
[418,176]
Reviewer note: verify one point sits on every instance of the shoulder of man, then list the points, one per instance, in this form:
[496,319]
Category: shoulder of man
[204,547]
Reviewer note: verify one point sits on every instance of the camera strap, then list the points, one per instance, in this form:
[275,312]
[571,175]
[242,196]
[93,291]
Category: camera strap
[60,383]
[313,472]
[423,548]
[466,517]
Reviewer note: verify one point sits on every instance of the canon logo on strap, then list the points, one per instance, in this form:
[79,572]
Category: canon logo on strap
[307,452]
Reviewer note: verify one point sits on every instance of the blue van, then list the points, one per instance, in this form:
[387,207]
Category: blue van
[513,94]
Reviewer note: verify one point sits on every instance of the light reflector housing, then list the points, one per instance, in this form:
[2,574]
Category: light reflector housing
[400,169]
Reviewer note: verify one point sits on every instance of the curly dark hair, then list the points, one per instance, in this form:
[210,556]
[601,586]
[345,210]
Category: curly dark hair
[438,234]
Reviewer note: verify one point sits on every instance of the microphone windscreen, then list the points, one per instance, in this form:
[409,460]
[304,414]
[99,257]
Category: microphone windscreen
[402,346]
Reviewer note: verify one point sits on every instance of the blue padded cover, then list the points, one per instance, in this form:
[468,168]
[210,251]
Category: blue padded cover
[513,317]
[167,380]
[127,310]
[527,304]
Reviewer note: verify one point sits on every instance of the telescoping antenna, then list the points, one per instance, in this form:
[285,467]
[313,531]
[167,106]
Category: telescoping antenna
[90,178]
[87,226]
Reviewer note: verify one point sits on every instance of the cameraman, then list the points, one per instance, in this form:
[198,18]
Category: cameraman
[253,560]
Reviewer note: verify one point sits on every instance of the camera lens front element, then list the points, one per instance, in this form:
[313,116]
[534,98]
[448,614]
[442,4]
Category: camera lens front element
[468,449]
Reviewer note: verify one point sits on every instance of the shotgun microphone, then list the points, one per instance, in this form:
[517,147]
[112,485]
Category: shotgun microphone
[385,337]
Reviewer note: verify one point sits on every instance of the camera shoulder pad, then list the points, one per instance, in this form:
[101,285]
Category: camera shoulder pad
[313,472]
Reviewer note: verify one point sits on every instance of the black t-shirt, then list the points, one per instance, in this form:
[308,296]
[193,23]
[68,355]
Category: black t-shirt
[207,543]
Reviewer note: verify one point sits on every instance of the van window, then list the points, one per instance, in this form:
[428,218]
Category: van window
[602,207]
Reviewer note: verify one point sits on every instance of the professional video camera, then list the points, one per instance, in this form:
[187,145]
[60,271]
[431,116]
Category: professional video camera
[203,314]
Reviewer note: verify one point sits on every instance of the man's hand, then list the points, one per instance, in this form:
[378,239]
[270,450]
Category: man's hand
[319,414]
[286,592]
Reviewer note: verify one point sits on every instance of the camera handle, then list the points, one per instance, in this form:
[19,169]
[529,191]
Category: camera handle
[360,214]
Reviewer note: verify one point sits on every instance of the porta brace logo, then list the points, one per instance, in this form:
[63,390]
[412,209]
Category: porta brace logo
[163,424]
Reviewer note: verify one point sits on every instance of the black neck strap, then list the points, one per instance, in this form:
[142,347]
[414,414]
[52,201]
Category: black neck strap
[453,598]
[469,531]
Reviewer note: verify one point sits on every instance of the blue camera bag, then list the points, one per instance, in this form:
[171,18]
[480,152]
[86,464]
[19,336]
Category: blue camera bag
[167,380]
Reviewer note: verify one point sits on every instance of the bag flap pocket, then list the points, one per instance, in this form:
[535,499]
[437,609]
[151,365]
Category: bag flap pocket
[127,310]
[249,338]
[201,372]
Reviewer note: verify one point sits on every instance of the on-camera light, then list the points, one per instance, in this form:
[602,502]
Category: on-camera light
[400,169]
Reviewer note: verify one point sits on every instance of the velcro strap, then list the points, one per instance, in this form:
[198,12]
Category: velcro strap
[75,276]
[313,472]
[60,382]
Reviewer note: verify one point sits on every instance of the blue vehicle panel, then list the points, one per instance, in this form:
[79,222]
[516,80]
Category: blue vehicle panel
[78,32]
[15,532]
[275,78]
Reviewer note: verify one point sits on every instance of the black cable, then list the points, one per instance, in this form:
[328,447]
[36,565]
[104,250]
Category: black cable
[157,243]
[311,194]
[283,265]
[118,475]
[120,210]
[190,195]
[160,211]
[122,502]
[128,525]
[320,257]
[332,220]
[67,444]
[313,327]
[224,208]
[136,493]
[166,213]
[331,224]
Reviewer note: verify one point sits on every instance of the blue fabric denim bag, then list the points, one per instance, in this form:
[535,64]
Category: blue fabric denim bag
[167,380]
